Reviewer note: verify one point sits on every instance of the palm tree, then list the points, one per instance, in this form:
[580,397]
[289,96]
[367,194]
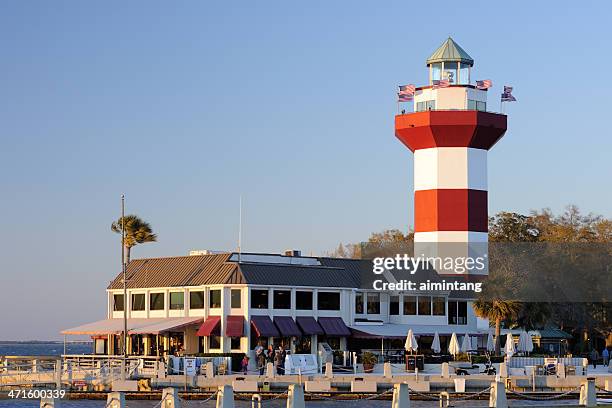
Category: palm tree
[137,232]
[497,311]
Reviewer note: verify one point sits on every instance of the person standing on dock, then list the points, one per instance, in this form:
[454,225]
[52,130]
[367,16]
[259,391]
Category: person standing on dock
[605,355]
[279,360]
[594,357]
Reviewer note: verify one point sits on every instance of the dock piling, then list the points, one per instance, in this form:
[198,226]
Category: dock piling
[588,394]
[295,397]
[497,396]
[115,400]
[387,370]
[329,370]
[225,397]
[50,403]
[401,396]
[170,398]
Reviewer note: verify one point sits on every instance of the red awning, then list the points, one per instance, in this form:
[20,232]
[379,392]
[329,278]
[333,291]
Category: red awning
[235,326]
[210,326]
[334,326]
[309,325]
[264,327]
[287,327]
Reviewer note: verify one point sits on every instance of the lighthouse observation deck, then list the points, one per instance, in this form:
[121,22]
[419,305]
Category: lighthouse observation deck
[450,128]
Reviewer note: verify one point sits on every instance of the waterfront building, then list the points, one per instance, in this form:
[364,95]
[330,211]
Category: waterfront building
[231,302]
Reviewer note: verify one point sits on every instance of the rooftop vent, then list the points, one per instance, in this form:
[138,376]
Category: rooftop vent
[197,252]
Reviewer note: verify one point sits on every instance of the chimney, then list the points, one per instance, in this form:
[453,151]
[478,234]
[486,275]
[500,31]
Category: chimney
[293,252]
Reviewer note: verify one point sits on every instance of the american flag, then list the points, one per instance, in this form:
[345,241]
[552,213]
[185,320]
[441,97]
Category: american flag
[407,89]
[484,84]
[507,96]
[403,97]
[440,83]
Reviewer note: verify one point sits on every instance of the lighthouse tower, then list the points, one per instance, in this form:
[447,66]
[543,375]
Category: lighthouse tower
[450,132]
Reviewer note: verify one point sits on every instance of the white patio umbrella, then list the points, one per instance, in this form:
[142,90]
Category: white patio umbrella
[411,343]
[525,344]
[466,345]
[522,342]
[490,342]
[435,344]
[453,345]
[510,350]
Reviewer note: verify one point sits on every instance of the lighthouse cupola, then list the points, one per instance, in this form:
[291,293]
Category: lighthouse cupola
[450,62]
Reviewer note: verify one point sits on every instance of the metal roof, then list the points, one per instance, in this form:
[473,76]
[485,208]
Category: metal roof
[179,271]
[450,51]
[218,269]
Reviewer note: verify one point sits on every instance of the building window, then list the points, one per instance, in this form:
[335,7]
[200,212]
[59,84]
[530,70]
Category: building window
[259,299]
[373,303]
[214,341]
[461,312]
[436,70]
[235,343]
[118,303]
[156,301]
[424,305]
[177,300]
[359,302]
[196,300]
[303,300]
[215,299]
[236,295]
[410,308]
[282,299]
[394,306]
[426,105]
[439,306]
[328,301]
[138,301]
[457,312]
[477,105]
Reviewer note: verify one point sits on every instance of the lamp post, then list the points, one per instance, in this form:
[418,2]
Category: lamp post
[125,302]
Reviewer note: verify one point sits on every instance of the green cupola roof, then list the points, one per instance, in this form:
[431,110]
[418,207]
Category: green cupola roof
[450,51]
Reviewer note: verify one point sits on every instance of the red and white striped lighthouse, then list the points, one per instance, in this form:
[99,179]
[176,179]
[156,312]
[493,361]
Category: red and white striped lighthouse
[450,132]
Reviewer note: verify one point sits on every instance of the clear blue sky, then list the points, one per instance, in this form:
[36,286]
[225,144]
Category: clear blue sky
[186,105]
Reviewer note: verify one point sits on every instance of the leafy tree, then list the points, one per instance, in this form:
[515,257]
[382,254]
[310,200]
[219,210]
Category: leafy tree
[137,232]
[512,227]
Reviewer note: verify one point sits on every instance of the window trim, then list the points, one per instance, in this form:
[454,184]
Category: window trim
[170,300]
[151,303]
[329,292]
[311,299]
[203,292]
[144,302]
[210,298]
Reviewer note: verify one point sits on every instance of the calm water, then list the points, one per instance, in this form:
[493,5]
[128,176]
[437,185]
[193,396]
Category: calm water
[43,349]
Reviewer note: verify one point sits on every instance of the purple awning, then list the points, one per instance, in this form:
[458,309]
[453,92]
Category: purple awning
[287,327]
[309,325]
[334,326]
[264,327]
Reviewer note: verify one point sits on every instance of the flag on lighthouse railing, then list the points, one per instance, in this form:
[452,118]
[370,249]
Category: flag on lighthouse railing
[484,84]
[403,97]
[440,83]
[507,96]
[407,89]
[406,92]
